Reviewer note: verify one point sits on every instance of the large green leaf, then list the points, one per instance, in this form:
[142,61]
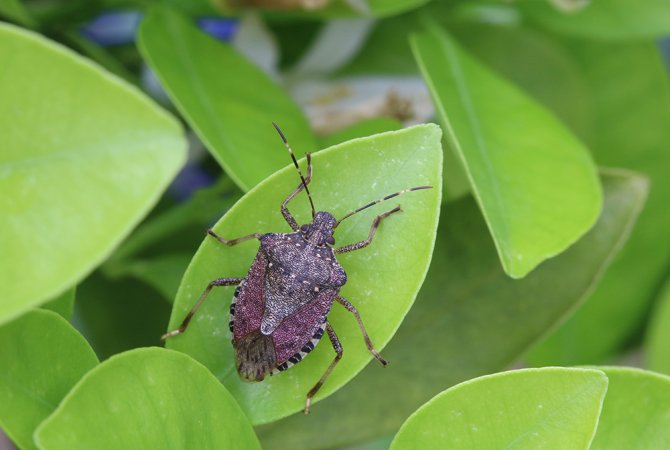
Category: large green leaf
[470,319]
[611,19]
[227,100]
[84,157]
[42,357]
[383,279]
[658,336]
[147,398]
[635,412]
[622,78]
[534,180]
[551,408]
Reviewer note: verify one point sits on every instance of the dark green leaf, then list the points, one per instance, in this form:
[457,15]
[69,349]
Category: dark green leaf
[118,315]
[630,99]
[227,100]
[658,335]
[611,19]
[63,304]
[361,129]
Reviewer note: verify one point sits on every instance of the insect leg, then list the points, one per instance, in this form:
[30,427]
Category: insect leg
[189,316]
[352,309]
[284,210]
[338,350]
[232,242]
[373,230]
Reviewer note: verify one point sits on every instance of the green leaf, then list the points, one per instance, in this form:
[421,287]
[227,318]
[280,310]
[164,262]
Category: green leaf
[383,279]
[119,315]
[622,78]
[147,398]
[199,210]
[361,129]
[62,304]
[42,357]
[334,9]
[470,319]
[534,181]
[635,412]
[227,100]
[76,145]
[14,10]
[658,335]
[550,408]
[611,19]
[163,273]
[553,79]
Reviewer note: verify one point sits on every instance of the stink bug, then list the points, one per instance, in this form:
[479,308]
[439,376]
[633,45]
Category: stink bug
[279,311]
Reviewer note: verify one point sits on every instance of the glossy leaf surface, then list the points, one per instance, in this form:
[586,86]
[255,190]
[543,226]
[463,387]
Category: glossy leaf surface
[535,182]
[76,145]
[550,408]
[42,357]
[470,319]
[147,398]
[383,278]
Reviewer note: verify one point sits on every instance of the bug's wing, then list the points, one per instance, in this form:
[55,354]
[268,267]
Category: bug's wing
[296,332]
[249,301]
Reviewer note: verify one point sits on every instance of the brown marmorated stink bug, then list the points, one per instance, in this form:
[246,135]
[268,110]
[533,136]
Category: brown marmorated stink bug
[279,311]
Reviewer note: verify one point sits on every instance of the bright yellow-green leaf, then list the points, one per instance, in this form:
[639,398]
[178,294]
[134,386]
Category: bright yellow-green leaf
[41,357]
[550,408]
[383,279]
[83,157]
[535,182]
[148,398]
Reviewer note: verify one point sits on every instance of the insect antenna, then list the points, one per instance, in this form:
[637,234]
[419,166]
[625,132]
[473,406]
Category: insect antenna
[295,163]
[383,199]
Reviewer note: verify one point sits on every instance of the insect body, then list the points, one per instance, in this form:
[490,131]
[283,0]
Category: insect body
[279,309]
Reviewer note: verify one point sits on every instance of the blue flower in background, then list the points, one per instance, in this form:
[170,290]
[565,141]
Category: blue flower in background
[218,27]
[113,28]
[119,27]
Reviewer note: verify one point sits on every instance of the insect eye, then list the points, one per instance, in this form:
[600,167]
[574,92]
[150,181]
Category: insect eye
[304,228]
[330,240]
